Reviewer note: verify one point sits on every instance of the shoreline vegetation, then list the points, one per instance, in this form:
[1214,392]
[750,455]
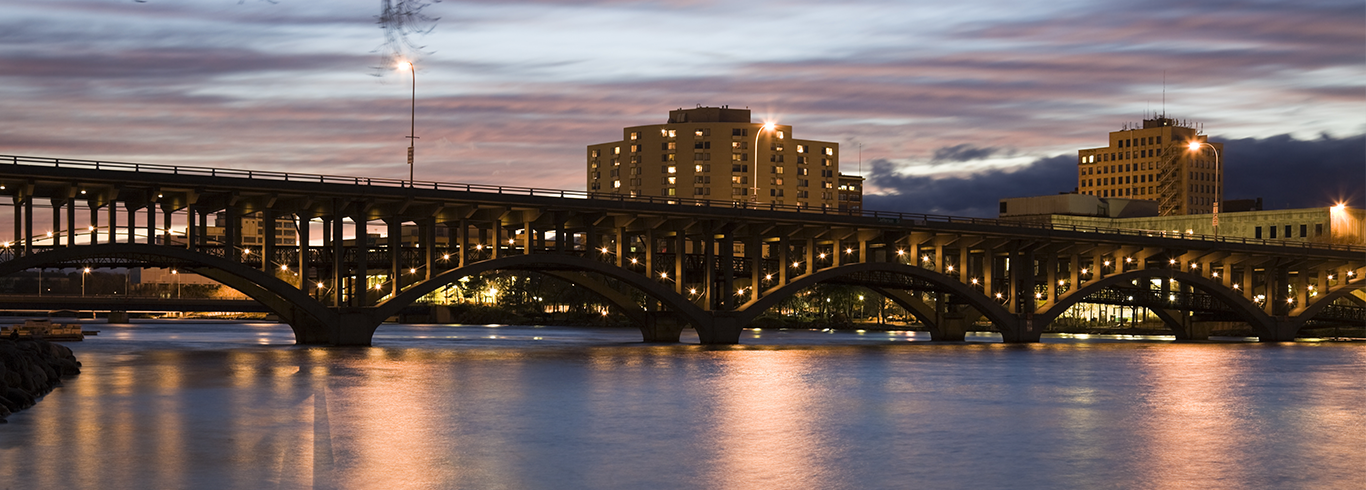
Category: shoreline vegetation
[30,369]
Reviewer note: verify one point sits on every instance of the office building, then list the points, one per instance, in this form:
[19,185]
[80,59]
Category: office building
[1155,161]
[718,153]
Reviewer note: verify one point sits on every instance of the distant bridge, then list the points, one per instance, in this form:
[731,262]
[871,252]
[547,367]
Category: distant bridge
[711,265]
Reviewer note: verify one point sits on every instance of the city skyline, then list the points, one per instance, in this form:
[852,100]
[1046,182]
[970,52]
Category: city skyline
[509,93]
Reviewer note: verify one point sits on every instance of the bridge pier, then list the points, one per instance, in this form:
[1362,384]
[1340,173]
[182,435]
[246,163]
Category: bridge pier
[950,327]
[661,328]
[1279,329]
[724,329]
[350,327]
[1024,331]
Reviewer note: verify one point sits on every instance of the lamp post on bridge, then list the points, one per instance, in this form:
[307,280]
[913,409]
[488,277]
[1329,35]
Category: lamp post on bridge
[754,190]
[1218,180]
[412,122]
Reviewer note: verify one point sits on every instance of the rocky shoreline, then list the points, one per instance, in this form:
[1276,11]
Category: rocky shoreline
[30,369]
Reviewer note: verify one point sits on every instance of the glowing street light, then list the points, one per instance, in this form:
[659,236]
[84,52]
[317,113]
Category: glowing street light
[412,129]
[1218,179]
[768,126]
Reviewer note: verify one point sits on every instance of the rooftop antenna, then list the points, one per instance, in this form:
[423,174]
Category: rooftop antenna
[1164,93]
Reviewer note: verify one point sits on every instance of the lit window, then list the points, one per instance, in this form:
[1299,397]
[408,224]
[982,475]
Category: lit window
[829,151]
[696,168]
[616,184]
[780,135]
[672,169]
[635,135]
[616,150]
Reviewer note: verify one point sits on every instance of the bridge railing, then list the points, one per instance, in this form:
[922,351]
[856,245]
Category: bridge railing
[891,217]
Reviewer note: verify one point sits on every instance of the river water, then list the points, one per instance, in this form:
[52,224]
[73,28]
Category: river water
[231,405]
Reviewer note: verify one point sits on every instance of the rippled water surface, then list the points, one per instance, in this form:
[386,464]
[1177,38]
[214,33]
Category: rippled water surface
[221,405]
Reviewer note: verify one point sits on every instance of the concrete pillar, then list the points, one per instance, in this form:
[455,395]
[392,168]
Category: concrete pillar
[680,255]
[70,222]
[56,223]
[810,256]
[360,294]
[783,262]
[395,246]
[724,329]
[268,241]
[302,225]
[754,248]
[152,223]
[94,224]
[339,272]
[133,228]
[621,246]
[726,255]
[166,216]
[463,229]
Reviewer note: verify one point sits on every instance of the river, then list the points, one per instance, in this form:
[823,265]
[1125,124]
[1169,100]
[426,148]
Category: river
[206,405]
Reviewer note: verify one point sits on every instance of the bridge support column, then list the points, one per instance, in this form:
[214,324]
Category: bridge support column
[950,326]
[1279,329]
[350,327]
[724,329]
[1023,331]
[661,328]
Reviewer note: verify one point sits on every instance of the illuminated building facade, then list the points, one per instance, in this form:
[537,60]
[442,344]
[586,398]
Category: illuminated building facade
[1155,162]
[717,153]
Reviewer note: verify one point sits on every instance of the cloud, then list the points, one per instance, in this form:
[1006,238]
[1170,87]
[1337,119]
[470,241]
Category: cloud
[1285,172]
[974,194]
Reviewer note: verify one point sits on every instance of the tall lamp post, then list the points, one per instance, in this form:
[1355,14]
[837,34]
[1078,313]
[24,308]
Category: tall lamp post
[412,129]
[754,191]
[1218,180]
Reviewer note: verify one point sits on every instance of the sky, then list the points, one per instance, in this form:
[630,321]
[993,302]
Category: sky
[953,104]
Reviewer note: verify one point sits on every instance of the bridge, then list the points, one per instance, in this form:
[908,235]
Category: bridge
[666,263]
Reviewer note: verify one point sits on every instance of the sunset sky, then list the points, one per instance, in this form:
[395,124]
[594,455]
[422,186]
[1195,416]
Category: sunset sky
[950,100]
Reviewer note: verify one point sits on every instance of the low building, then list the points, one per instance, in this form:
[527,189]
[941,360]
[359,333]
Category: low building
[1329,224]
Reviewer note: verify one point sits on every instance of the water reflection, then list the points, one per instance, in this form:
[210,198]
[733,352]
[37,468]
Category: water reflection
[181,407]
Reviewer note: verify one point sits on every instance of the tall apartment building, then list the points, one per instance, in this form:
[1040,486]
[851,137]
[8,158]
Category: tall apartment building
[1155,162]
[717,153]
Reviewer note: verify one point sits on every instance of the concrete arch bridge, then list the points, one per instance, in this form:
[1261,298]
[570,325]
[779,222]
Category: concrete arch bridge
[666,263]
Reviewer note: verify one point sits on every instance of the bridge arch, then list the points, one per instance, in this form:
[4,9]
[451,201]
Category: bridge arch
[295,307]
[558,263]
[997,314]
[1307,312]
[1261,323]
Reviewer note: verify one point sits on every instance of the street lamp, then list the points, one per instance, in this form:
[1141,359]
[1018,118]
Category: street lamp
[1218,180]
[84,273]
[768,126]
[412,128]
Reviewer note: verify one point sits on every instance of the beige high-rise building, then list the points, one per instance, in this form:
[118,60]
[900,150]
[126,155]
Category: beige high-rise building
[1155,162]
[717,153]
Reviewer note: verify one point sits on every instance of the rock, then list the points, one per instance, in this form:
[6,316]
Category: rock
[30,369]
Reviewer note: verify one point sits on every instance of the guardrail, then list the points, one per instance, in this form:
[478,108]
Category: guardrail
[894,217]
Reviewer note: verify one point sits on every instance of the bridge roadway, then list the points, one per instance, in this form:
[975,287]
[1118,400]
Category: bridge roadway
[666,263]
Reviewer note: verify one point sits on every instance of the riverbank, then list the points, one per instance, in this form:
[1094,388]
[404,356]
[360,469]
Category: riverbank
[30,369]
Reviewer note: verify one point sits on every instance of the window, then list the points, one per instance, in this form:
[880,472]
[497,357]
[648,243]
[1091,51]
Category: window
[803,182]
[635,148]
[701,156]
[1287,231]
[701,145]
[1273,231]
[697,168]
[739,132]
[801,148]
[673,180]
[777,170]
[616,150]
[1304,231]
[700,132]
[635,135]
[775,192]
[801,171]
[780,135]
[827,185]
[829,151]
[594,153]
[776,181]
[1318,229]
[739,168]
[616,184]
